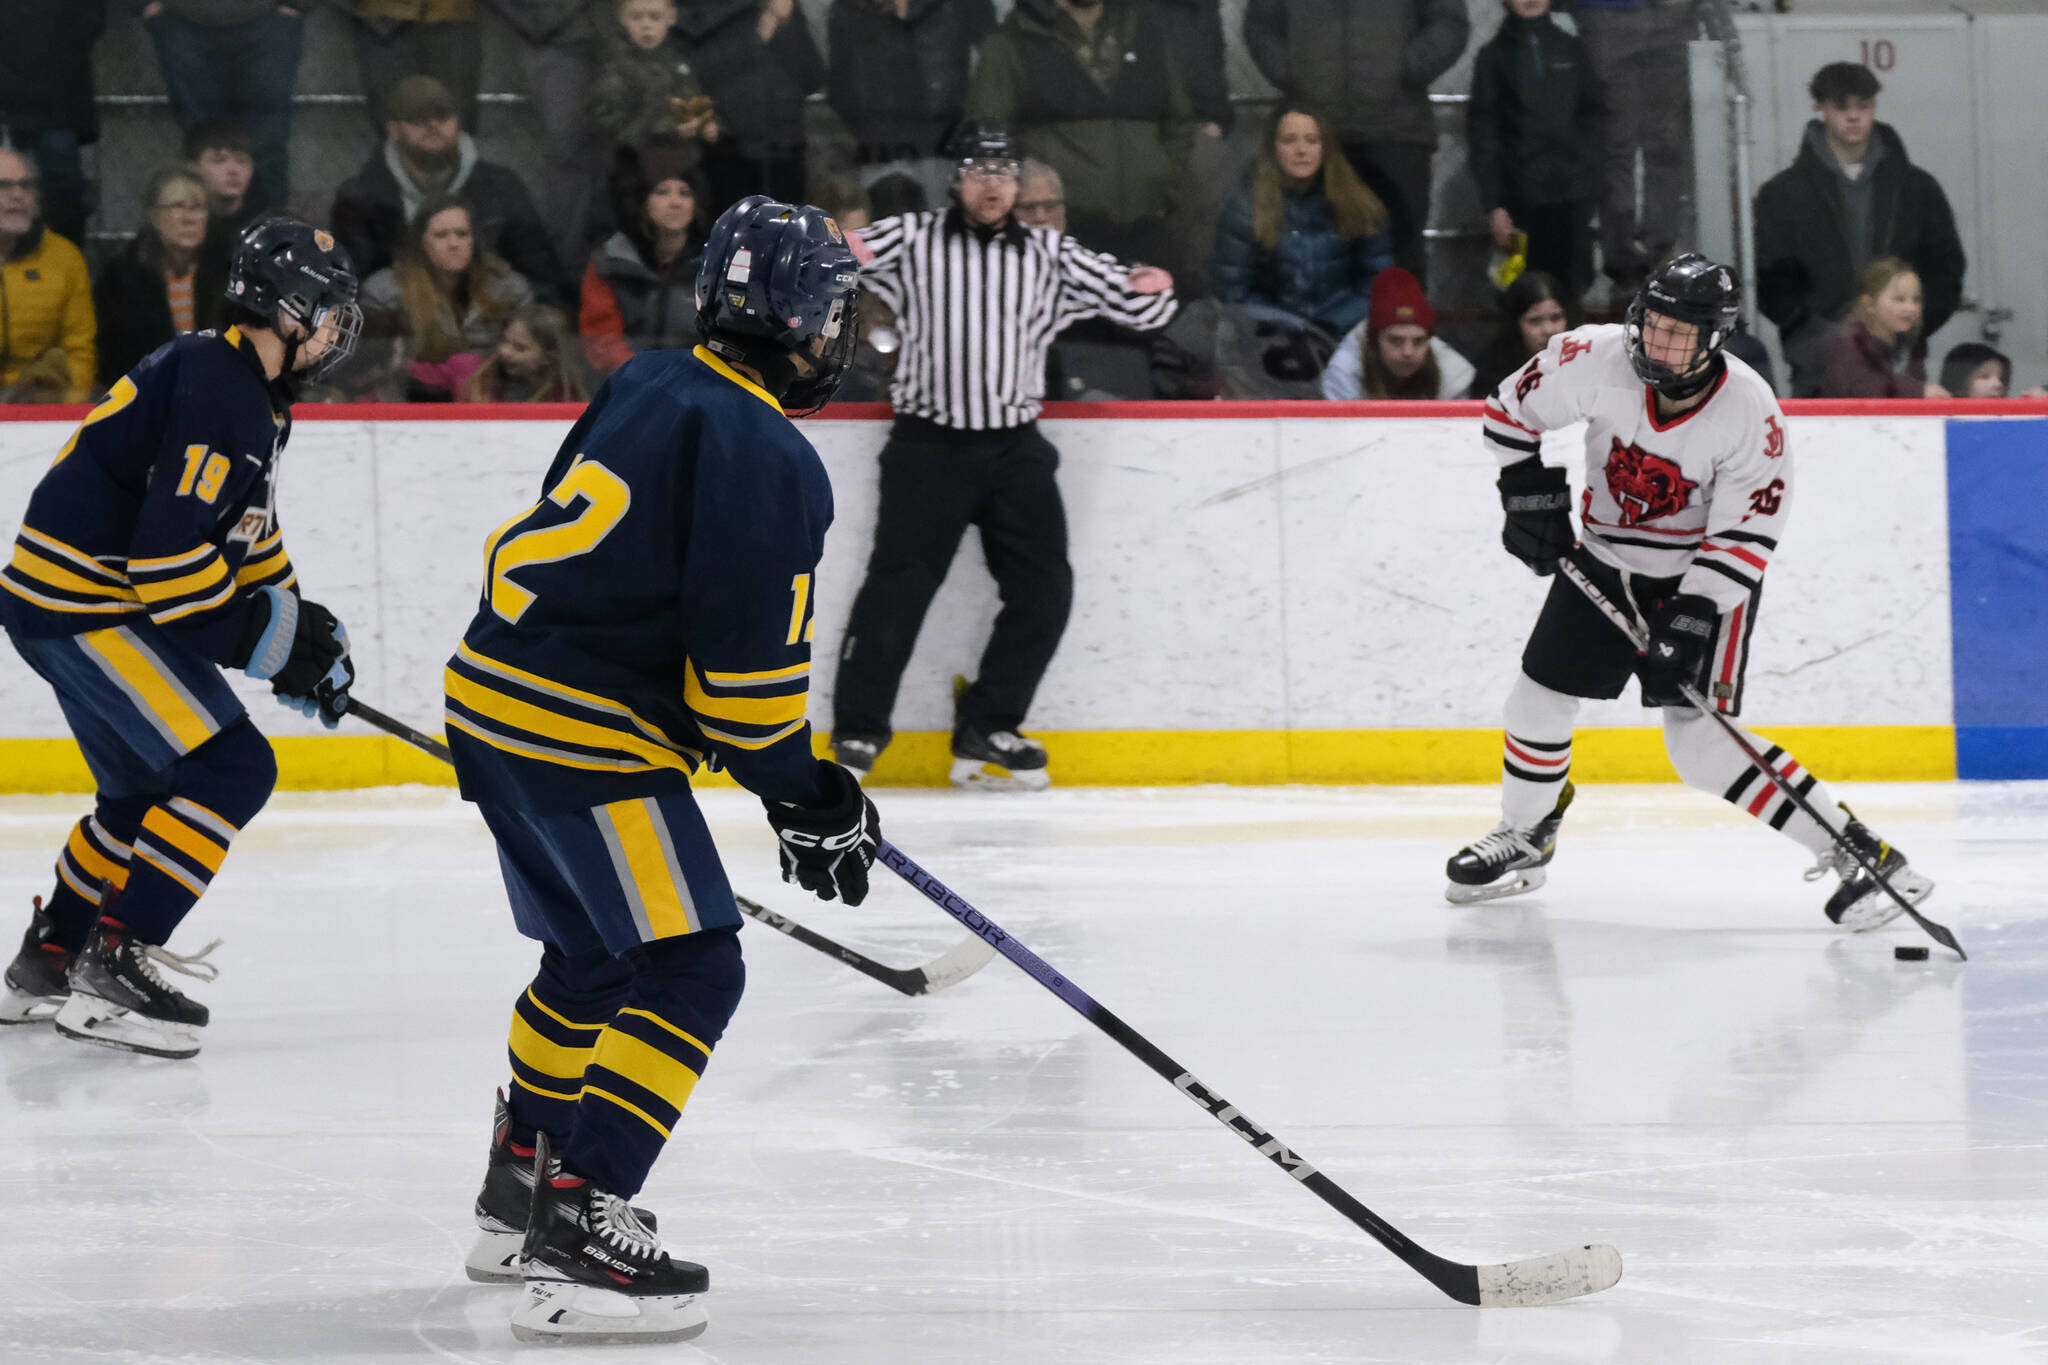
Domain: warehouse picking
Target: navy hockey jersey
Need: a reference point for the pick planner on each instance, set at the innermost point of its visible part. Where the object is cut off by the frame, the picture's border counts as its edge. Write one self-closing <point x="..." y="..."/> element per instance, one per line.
<point x="652" y="610"/>
<point x="162" y="504"/>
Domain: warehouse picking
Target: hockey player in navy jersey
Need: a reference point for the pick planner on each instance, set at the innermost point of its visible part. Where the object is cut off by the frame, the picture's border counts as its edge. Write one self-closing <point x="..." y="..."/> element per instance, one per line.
<point x="651" y="614"/>
<point x="149" y="559"/>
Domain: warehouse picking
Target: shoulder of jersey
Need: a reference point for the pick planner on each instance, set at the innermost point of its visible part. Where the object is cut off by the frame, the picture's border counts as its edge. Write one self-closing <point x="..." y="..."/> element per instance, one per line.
<point x="1747" y="382"/>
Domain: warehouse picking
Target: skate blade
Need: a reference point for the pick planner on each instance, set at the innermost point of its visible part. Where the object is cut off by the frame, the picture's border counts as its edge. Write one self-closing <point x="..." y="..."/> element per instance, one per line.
<point x="975" y="775"/>
<point x="564" y="1311"/>
<point x="91" y="1020"/>
<point x="1513" y="884"/>
<point x="495" y="1258"/>
<point x="17" y="1007"/>
<point x="1876" y="910"/>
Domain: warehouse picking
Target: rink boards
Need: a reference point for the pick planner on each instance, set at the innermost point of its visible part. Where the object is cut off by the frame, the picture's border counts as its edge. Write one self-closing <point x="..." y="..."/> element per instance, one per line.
<point x="1260" y="596"/>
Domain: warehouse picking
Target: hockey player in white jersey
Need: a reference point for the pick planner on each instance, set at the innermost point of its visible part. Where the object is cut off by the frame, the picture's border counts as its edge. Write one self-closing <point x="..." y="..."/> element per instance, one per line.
<point x="1688" y="487"/>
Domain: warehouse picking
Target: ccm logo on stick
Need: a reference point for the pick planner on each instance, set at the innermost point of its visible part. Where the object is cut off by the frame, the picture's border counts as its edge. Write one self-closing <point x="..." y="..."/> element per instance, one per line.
<point x="1241" y="1124"/>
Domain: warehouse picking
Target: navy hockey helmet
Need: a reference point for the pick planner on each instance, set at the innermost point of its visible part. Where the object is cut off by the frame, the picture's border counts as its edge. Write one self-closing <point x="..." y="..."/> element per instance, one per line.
<point x="282" y="266"/>
<point x="776" y="279"/>
<point x="1687" y="288"/>
<point x="984" y="144"/>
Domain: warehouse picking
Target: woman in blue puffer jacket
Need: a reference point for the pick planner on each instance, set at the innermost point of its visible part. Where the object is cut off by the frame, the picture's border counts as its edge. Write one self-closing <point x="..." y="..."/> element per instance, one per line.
<point x="1304" y="234"/>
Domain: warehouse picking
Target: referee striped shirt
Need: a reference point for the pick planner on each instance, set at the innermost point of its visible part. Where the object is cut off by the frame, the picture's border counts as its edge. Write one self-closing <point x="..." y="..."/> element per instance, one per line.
<point x="979" y="308"/>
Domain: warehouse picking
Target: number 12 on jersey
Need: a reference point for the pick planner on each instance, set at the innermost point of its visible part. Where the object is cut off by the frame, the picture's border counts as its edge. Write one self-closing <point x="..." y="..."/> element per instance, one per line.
<point x="605" y="501"/>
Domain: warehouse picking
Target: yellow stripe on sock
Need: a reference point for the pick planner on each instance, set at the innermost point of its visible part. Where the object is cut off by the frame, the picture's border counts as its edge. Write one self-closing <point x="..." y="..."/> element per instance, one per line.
<point x="646" y="1066"/>
<point x="89" y="859"/>
<point x="185" y="839"/>
<point x="628" y="1106"/>
<point x="164" y="865"/>
<point x="689" y="1038"/>
<point x="534" y="1001"/>
<point x="545" y="1094"/>
<point x="545" y="1055"/>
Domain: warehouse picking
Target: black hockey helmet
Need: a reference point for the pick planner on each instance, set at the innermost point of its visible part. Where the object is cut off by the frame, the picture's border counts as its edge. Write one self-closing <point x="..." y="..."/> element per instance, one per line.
<point x="775" y="277"/>
<point x="980" y="144"/>
<point x="1687" y="288"/>
<point x="282" y="266"/>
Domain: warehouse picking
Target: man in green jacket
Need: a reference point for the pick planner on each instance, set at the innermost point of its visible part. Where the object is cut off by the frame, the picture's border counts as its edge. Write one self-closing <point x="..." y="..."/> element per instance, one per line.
<point x="1091" y="88"/>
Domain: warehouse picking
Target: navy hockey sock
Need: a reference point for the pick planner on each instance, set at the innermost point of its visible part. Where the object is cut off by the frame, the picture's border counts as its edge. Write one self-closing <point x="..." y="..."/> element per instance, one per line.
<point x="183" y="838"/>
<point x="648" y="1059"/>
<point x="555" y="1025"/>
<point x="93" y="862"/>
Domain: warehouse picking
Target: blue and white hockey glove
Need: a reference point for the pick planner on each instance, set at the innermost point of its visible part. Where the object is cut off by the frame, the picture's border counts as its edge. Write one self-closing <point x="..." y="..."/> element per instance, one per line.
<point x="302" y="650"/>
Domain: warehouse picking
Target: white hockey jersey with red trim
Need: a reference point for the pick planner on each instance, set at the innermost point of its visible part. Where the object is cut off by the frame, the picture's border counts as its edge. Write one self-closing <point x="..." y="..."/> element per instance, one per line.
<point x="1703" y="498"/>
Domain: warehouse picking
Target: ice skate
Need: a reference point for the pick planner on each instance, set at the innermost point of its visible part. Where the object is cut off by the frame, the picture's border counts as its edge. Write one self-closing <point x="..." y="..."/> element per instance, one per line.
<point x="595" y="1273"/>
<point x="502" y="1205"/>
<point x="1507" y="862"/>
<point x="999" y="761"/>
<point x="1859" y="904"/>
<point x="118" y="1000"/>
<point x="35" y="983"/>
<point x="857" y="753"/>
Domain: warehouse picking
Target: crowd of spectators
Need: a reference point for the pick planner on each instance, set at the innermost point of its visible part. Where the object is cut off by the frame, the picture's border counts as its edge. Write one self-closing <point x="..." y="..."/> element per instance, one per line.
<point x="654" y="114"/>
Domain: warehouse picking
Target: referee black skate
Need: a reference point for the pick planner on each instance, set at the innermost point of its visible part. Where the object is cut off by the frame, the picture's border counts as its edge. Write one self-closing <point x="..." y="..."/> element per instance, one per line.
<point x="979" y="298"/>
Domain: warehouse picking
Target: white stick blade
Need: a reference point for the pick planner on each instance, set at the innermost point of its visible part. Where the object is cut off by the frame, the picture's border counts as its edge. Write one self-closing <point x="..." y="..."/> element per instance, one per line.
<point x="963" y="960"/>
<point x="1549" y="1279"/>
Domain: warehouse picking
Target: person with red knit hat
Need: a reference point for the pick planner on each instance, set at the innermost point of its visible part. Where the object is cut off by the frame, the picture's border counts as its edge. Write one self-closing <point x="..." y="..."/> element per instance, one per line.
<point x="1395" y="352"/>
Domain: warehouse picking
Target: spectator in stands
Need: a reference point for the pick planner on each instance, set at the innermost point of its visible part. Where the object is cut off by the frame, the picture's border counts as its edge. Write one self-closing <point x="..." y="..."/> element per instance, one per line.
<point x="644" y="91"/>
<point x="1090" y="88"/>
<point x="558" y="46"/>
<point x="224" y="155"/>
<point x="758" y="62"/>
<point x="1041" y="197"/>
<point x="1368" y="63"/>
<point x="1533" y="309"/>
<point x="899" y="72"/>
<point x="1851" y="197"/>
<point x="1537" y="128"/>
<point x="533" y="362"/>
<point x="1303" y="234"/>
<point x="1974" y="370"/>
<point x="1638" y="54"/>
<point x="425" y="154"/>
<point x="47" y="330"/>
<point x="396" y="39"/>
<point x="1194" y="36"/>
<point x="440" y="308"/>
<point x="172" y="278"/>
<point x="640" y="290"/>
<point x="843" y="202"/>
<point x="1395" y="352"/>
<point x="1879" y="350"/>
<point x="46" y="99"/>
<point x="233" y="59"/>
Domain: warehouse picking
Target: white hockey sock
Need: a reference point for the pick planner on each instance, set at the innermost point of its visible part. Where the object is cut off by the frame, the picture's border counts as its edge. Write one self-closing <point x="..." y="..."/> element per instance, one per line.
<point x="1536" y="752"/>
<point x="1707" y="759"/>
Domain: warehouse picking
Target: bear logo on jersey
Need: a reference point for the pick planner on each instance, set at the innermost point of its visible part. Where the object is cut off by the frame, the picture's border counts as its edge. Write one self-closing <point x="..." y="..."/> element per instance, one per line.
<point x="1645" y="486"/>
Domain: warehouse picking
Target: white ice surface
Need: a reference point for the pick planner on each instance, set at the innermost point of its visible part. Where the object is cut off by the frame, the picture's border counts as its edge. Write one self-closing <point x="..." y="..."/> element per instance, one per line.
<point x="1805" y="1151"/>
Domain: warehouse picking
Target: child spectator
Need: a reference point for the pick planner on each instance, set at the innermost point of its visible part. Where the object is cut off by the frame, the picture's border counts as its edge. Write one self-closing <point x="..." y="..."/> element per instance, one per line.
<point x="1879" y="350"/>
<point x="1303" y="234"/>
<point x="233" y="59"/>
<point x="47" y="352"/>
<point x="1537" y="129"/>
<point x="1973" y="370"/>
<point x="1395" y="352"/>
<point x="439" y="308"/>
<point x="759" y="63"/>
<point x="225" y="157"/>
<point x="534" y="362"/>
<point x="644" y="91"/>
<point x="640" y="290"/>
<point x="172" y="278"/>
<point x="1533" y="309"/>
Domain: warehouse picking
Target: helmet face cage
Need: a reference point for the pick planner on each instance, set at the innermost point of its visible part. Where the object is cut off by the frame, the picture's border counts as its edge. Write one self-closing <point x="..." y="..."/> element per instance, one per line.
<point x="841" y="332"/>
<point x="284" y="268"/>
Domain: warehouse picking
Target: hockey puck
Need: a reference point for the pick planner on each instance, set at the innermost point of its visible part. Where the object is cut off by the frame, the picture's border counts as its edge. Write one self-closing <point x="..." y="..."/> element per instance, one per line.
<point x="1910" y="952"/>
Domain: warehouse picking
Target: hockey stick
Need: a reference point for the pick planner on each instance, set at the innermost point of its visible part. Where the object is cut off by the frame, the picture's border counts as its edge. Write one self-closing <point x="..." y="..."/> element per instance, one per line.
<point x="1513" y="1284"/>
<point x="951" y="967"/>
<point x="1641" y="640"/>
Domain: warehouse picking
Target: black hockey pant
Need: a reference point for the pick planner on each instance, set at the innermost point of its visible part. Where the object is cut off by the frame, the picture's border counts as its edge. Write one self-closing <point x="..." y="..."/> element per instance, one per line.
<point x="936" y="482"/>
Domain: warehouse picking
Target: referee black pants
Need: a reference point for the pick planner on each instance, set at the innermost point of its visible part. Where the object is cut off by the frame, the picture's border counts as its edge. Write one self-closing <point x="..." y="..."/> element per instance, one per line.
<point x="936" y="482"/>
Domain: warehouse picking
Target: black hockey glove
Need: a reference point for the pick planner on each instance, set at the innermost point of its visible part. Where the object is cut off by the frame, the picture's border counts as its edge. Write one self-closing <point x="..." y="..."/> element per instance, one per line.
<point x="1538" y="503"/>
<point x="302" y="650"/>
<point x="828" y="848"/>
<point x="1682" y="629"/>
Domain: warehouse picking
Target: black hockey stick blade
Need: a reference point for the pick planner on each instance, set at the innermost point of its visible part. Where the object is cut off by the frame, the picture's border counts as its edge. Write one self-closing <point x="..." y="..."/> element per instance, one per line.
<point x="1568" y="1274"/>
<point x="1641" y="640"/>
<point x="963" y="960"/>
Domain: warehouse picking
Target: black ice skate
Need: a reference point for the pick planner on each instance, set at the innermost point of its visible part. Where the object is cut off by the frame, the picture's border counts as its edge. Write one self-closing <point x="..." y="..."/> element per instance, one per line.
<point x="1002" y="760"/>
<point x="1859" y="904"/>
<point x="1508" y="861"/>
<point x="502" y="1205"/>
<point x="596" y="1273"/>
<point x="36" y="988"/>
<point x="118" y="1000"/>
<point x="857" y="753"/>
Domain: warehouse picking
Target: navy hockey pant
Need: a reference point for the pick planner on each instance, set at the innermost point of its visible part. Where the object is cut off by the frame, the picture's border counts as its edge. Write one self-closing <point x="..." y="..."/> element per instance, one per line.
<point x="936" y="482"/>
<point x="179" y="769"/>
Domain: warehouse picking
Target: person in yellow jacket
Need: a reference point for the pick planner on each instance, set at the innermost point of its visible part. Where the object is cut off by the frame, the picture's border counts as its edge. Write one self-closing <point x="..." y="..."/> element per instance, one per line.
<point x="47" y="328"/>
